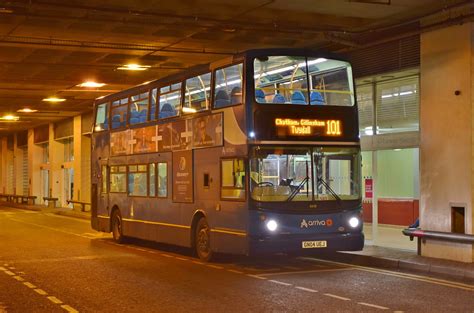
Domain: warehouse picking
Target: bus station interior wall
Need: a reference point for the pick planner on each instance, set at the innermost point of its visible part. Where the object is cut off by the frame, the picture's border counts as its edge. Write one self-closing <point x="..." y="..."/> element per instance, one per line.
<point x="397" y="185"/>
<point x="446" y="144"/>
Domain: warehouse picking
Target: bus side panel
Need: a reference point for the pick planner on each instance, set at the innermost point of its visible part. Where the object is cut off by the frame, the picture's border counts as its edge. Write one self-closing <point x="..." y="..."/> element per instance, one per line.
<point x="99" y="201"/>
<point x="227" y="219"/>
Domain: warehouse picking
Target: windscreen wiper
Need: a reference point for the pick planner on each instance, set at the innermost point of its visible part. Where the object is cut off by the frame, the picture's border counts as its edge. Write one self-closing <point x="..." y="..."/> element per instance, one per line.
<point x="296" y="190"/>
<point x="325" y="184"/>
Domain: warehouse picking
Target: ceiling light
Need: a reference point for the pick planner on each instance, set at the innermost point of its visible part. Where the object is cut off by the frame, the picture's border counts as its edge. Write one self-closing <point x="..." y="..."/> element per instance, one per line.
<point x="27" y="110"/>
<point x="5" y="11"/>
<point x="91" y="84"/>
<point x="54" y="99"/>
<point x="9" y="117"/>
<point x="189" y="110"/>
<point x="134" y="67"/>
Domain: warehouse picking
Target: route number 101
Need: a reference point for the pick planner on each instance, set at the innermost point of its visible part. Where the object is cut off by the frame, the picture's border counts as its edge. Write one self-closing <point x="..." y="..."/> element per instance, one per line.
<point x="333" y="128"/>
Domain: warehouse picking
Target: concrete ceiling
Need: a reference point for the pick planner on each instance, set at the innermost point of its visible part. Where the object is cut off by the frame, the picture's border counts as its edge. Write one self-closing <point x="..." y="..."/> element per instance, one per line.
<point x="49" y="47"/>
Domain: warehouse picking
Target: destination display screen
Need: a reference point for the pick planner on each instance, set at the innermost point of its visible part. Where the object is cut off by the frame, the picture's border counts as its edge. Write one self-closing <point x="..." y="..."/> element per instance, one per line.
<point x="306" y="124"/>
<point x="308" y="127"/>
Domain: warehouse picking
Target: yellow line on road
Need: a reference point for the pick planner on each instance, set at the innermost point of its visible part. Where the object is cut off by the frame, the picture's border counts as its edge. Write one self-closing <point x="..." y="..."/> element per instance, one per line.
<point x="215" y="266"/>
<point x="41" y="292"/>
<point x="19" y="278"/>
<point x="305" y="289"/>
<point x="29" y="285"/>
<point x="235" y="271"/>
<point x="9" y="273"/>
<point x="256" y="276"/>
<point x="69" y="309"/>
<point x="54" y="300"/>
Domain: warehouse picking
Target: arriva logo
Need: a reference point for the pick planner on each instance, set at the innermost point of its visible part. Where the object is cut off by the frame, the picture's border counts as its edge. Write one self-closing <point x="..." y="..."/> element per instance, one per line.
<point x="306" y="224"/>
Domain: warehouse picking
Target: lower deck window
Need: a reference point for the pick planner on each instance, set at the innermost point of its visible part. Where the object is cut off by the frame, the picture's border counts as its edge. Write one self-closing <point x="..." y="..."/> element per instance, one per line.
<point x="118" y="179"/>
<point x="162" y="180"/>
<point x="137" y="180"/>
<point x="233" y="179"/>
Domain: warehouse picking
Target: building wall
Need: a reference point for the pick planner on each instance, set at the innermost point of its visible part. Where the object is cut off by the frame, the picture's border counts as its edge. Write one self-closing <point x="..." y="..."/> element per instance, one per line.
<point x="446" y="142"/>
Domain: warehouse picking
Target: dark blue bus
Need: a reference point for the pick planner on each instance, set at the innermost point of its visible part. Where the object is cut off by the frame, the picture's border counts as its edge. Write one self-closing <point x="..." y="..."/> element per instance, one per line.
<point x="258" y="153"/>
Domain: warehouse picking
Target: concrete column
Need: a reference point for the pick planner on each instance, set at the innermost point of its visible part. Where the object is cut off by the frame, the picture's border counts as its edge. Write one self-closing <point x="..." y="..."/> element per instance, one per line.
<point x="35" y="158"/>
<point x="56" y="159"/>
<point x="447" y="126"/>
<point x="3" y="164"/>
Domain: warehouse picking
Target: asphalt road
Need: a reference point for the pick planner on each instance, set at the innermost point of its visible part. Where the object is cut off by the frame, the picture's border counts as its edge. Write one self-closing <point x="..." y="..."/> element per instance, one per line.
<point x="51" y="263"/>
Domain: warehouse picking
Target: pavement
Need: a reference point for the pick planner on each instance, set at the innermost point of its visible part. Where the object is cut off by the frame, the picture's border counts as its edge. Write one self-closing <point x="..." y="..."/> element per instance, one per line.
<point x="371" y="256"/>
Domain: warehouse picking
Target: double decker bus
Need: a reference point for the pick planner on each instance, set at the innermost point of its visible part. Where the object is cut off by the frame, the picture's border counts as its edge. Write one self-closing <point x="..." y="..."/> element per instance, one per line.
<point x="257" y="153"/>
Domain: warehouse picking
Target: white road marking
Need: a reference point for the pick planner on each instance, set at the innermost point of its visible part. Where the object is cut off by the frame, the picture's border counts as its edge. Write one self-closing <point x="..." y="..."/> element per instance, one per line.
<point x="235" y="271"/>
<point x="255" y="276"/>
<point x="279" y="282"/>
<point x="306" y="272"/>
<point x="69" y="309"/>
<point x="9" y="273"/>
<point x="2" y="268"/>
<point x="182" y="259"/>
<point x="54" y="300"/>
<point x="434" y="281"/>
<point x="167" y="255"/>
<point x="29" y="285"/>
<point x="41" y="292"/>
<point x="199" y="263"/>
<point x="337" y="297"/>
<point x="305" y="289"/>
<point x="19" y="278"/>
<point x="215" y="266"/>
<point x="373" y="305"/>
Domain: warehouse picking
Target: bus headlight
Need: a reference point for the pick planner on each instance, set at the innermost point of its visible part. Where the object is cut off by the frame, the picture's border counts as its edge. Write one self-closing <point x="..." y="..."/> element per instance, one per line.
<point x="354" y="222"/>
<point x="272" y="225"/>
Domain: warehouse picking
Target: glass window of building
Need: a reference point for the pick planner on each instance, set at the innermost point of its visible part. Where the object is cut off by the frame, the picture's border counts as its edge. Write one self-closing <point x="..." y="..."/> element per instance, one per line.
<point x="170" y="101"/>
<point x="397" y="106"/>
<point x="365" y="102"/>
<point x="68" y="149"/>
<point x="197" y="93"/>
<point x="138" y="180"/>
<point x="139" y="108"/>
<point x="162" y="179"/>
<point x="118" y="179"/>
<point x="233" y="179"/>
<point x="228" y="86"/>
<point x="101" y="120"/>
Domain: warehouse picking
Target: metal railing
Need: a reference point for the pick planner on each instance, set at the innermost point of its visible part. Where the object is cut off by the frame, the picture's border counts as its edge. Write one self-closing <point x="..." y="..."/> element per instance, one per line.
<point x="445" y="236"/>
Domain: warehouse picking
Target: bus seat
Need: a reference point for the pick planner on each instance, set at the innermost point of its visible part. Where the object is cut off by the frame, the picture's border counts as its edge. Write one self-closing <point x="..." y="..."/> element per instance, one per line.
<point x="298" y="98"/>
<point x="279" y="98"/>
<point x="166" y="110"/>
<point x="316" y="98"/>
<point x="116" y="121"/>
<point x="260" y="96"/>
<point x="221" y="99"/>
<point x="134" y="117"/>
<point x="142" y="116"/>
<point x="152" y="112"/>
<point x="236" y="95"/>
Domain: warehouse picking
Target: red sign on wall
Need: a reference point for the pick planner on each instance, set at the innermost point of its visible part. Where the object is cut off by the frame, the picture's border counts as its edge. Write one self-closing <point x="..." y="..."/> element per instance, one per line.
<point x="369" y="184"/>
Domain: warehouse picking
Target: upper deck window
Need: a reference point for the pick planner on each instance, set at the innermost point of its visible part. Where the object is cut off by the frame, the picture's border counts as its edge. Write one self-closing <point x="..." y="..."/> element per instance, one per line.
<point x="153" y="102"/>
<point x="119" y="113"/>
<point x="228" y="86"/>
<point x="138" y="108"/>
<point x="284" y="80"/>
<point x="197" y="93"/>
<point x="101" y="120"/>
<point x="170" y="100"/>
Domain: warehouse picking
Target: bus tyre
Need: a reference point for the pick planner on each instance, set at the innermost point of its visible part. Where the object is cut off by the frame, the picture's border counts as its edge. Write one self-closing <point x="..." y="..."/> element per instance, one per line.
<point x="202" y="240"/>
<point x="117" y="231"/>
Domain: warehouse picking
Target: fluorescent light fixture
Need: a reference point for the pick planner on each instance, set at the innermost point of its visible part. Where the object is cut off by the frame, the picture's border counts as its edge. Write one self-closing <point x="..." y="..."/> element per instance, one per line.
<point x="54" y="99"/>
<point x="27" y="110"/>
<point x="133" y="67"/>
<point x="291" y="67"/>
<point x="5" y="11"/>
<point x="9" y="117"/>
<point x="189" y="110"/>
<point x="91" y="84"/>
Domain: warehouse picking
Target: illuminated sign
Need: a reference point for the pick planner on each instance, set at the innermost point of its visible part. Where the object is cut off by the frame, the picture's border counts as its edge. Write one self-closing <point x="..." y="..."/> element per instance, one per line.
<point x="308" y="127"/>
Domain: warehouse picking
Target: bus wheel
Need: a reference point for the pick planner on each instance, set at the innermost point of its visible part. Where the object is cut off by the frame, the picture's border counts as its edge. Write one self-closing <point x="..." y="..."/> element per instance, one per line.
<point x="117" y="231"/>
<point x="202" y="240"/>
